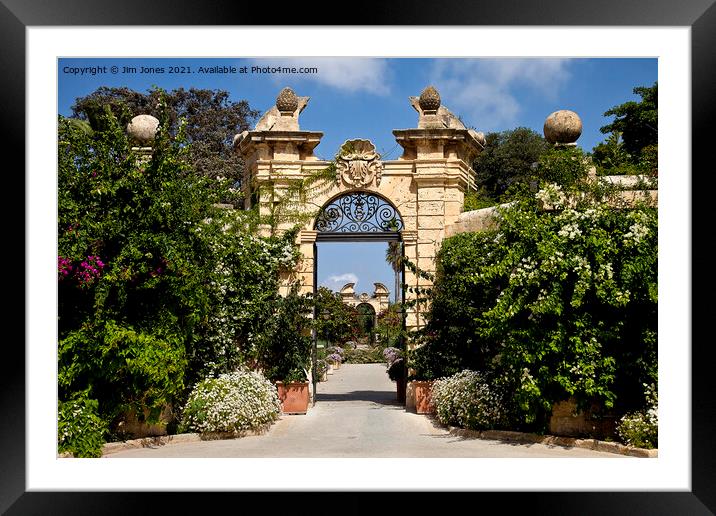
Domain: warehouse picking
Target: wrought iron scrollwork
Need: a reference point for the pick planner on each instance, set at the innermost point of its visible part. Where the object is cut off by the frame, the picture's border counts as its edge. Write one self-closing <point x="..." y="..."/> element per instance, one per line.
<point x="358" y="212"/>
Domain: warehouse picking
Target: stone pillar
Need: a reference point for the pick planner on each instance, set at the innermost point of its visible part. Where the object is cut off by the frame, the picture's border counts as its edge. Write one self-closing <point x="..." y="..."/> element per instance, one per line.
<point x="277" y="154"/>
<point x="410" y="250"/>
<point x="441" y="151"/>
<point x="142" y="130"/>
<point x="307" y="239"/>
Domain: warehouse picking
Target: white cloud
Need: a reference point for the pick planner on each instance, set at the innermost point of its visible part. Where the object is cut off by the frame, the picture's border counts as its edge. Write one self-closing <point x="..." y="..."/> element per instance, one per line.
<point x="481" y="91"/>
<point x="343" y="73"/>
<point x="337" y="281"/>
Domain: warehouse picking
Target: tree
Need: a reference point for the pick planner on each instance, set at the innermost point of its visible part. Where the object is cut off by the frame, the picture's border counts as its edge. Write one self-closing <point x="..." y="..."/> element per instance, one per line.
<point x="389" y="324"/>
<point x="610" y="155"/>
<point x="636" y="122"/>
<point x="212" y="120"/>
<point x="394" y="257"/>
<point x="506" y="163"/>
<point x="366" y="313"/>
<point x="335" y="321"/>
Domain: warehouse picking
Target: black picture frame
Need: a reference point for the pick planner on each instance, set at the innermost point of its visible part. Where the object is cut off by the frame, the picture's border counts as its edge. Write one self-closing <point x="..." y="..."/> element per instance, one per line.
<point x="699" y="15"/>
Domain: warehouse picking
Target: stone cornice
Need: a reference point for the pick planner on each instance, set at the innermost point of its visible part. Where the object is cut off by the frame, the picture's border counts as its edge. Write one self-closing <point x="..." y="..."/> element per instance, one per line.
<point x="446" y="134"/>
<point x="308" y="236"/>
<point x="244" y="142"/>
<point x="409" y="236"/>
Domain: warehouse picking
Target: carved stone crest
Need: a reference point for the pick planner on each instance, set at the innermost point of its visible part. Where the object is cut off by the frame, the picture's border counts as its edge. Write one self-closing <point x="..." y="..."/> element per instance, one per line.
<point x="358" y="164"/>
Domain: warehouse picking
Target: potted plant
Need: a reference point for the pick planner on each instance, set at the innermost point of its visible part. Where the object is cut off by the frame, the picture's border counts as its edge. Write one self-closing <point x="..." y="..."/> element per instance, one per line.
<point x="422" y="362"/>
<point x="335" y="360"/>
<point x="285" y="350"/>
<point x="322" y="370"/>
<point x="396" y="372"/>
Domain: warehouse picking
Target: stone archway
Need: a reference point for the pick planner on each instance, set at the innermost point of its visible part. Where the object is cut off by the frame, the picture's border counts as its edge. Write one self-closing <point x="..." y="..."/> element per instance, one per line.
<point x="367" y="315"/>
<point x="426" y="184"/>
<point x="378" y="300"/>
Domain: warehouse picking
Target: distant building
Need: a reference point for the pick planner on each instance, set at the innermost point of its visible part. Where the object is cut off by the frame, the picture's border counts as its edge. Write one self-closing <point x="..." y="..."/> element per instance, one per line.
<point x="378" y="301"/>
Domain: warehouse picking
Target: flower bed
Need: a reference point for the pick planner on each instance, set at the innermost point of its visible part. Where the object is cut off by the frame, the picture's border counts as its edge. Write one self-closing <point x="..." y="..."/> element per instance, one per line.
<point x="233" y="402"/>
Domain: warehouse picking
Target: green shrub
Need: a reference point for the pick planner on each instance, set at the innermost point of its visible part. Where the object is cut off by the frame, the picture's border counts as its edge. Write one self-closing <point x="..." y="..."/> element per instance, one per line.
<point x="233" y="402"/>
<point x="564" y="166"/>
<point x="477" y="201"/>
<point x="80" y="429"/>
<point x="552" y="304"/>
<point x="467" y="400"/>
<point x="641" y="428"/>
<point x="126" y="368"/>
<point x="285" y="344"/>
<point x="372" y="355"/>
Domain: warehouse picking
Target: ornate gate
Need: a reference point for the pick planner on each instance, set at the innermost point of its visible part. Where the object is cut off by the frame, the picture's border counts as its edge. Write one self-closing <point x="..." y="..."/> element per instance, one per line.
<point x="356" y="216"/>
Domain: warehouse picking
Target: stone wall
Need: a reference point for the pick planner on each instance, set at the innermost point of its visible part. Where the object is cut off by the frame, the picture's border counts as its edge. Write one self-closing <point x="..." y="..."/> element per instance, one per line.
<point x="631" y="192"/>
<point x="566" y="420"/>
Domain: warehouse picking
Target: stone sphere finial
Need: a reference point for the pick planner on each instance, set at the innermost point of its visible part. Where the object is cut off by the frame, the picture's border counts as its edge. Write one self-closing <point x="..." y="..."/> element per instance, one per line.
<point x="143" y="129"/>
<point x="563" y="127"/>
<point x="429" y="99"/>
<point x="287" y="101"/>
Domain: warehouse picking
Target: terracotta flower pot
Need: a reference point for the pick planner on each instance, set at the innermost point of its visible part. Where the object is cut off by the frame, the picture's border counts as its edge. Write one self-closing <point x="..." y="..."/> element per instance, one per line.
<point x="293" y="397"/>
<point x="423" y="400"/>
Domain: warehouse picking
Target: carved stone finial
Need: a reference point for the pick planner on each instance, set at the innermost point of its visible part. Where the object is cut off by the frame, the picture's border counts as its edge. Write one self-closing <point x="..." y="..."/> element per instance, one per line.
<point x="358" y="164"/>
<point x="429" y="100"/>
<point x="563" y="127"/>
<point x="142" y="129"/>
<point x="287" y="102"/>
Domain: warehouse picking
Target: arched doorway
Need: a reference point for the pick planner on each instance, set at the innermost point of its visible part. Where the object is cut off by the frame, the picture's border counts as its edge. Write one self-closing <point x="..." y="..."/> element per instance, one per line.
<point x="360" y="216"/>
<point x="367" y="316"/>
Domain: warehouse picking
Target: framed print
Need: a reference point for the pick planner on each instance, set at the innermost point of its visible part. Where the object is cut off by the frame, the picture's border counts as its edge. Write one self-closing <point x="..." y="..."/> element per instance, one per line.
<point x="679" y="37"/>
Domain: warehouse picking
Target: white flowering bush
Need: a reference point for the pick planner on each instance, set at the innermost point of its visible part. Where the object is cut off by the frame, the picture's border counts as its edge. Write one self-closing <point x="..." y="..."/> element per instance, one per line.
<point x="232" y="402"/>
<point x="551" y="195"/>
<point x="641" y="428"/>
<point x="559" y="301"/>
<point x="467" y="400"/>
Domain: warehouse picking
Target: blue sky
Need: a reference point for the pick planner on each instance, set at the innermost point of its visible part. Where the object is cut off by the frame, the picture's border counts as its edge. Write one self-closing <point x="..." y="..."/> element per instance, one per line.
<point x="367" y="98"/>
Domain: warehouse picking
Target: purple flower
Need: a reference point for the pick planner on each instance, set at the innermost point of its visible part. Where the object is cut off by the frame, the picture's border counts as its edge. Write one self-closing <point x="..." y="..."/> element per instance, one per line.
<point x="64" y="266"/>
<point x="89" y="270"/>
<point x="391" y="355"/>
